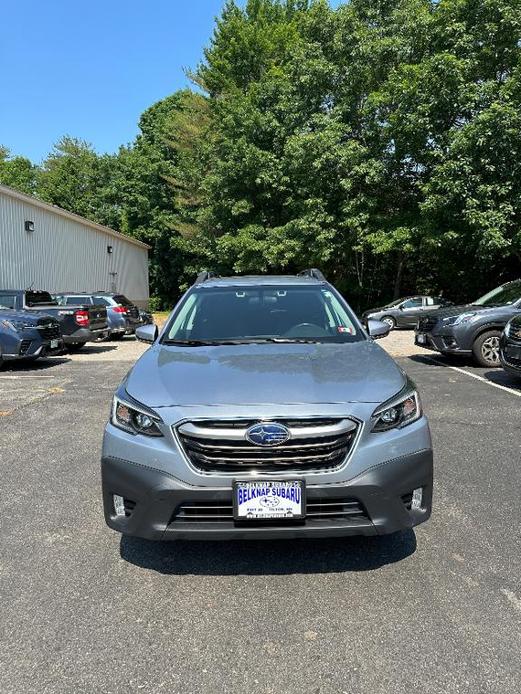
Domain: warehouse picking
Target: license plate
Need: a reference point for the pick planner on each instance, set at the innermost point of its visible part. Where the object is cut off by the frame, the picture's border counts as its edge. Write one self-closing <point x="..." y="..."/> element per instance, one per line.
<point x="269" y="499"/>
<point x="421" y="339"/>
<point x="55" y="344"/>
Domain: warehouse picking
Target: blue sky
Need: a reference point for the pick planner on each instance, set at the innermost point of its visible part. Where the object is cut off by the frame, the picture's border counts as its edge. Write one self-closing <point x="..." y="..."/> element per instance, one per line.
<point x="89" y="68"/>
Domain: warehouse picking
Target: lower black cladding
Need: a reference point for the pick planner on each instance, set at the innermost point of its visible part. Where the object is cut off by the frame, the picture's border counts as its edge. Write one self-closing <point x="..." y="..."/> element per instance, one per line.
<point x="369" y="504"/>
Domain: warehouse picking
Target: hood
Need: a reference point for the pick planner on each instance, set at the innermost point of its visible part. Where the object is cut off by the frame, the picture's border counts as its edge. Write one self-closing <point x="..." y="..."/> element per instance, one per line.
<point x="28" y="317"/>
<point x="264" y="373"/>
<point x="449" y="311"/>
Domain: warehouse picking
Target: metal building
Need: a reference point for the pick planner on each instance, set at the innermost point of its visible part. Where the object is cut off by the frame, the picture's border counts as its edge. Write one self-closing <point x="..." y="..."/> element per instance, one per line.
<point x="45" y="247"/>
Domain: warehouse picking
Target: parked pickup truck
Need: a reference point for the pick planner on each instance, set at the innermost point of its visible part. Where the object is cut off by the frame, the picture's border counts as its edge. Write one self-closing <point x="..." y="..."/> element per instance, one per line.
<point x="27" y="335"/>
<point x="79" y="324"/>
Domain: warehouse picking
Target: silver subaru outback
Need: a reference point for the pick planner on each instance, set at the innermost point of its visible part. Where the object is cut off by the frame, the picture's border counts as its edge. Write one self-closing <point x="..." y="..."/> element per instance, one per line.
<point x="263" y="409"/>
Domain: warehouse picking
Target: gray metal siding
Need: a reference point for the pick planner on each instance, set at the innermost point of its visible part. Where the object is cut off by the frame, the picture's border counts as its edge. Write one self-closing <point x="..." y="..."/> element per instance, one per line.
<point x="65" y="255"/>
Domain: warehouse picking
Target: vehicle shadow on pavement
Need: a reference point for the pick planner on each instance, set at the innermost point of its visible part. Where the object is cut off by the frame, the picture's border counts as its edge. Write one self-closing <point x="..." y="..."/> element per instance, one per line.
<point x="268" y="557"/>
<point x="502" y="378"/>
<point x="40" y="365"/>
<point x="440" y="360"/>
<point x="498" y="376"/>
<point x="97" y="348"/>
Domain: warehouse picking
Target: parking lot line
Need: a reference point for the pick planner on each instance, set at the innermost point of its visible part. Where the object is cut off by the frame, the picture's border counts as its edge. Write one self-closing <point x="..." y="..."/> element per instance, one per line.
<point x="476" y="376"/>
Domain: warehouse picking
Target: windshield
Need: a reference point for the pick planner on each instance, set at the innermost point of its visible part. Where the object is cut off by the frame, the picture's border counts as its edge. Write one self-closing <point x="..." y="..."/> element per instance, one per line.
<point x="265" y="313"/>
<point x="501" y="296"/>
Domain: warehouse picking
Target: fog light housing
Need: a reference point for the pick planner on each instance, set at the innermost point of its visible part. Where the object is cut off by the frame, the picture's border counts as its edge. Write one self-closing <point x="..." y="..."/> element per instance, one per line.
<point x="119" y="505"/>
<point x="417" y="498"/>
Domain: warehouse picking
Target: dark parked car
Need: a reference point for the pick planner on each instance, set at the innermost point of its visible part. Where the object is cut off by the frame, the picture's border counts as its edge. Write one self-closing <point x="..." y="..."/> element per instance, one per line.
<point x="25" y="335"/>
<point x="117" y="318"/>
<point x="120" y="304"/>
<point x="145" y="317"/>
<point x="79" y="324"/>
<point x="404" y="313"/>
<point x="510" y="347"/>
<point x="473" y="329"/>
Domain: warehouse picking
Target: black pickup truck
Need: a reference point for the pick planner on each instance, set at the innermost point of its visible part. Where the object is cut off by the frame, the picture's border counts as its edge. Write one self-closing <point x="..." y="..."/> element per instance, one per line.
<point x="79" y="324"/>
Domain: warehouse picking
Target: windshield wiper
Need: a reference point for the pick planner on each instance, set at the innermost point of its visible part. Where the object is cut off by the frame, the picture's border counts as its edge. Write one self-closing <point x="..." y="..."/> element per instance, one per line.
<point x="189" y="343"/>
<point x="299" y="340"/>
<point x="245" y="341"/>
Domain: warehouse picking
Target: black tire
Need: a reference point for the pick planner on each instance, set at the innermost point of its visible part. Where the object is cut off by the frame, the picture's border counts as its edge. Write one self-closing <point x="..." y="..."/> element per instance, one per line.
<point x="391" y="322"/>
<point x="117" y="336"/>
<point x="486" y="349"/>
<point x="75" y="346"/>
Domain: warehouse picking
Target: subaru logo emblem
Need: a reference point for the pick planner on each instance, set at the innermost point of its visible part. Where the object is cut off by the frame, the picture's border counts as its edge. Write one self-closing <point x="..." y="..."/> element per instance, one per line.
<point x="267" y="434"/>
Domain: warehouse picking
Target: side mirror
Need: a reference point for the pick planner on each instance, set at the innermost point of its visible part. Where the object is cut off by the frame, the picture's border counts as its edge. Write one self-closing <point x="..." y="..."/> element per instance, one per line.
<point x="377" y="329"/>
<point x="400" y="307"/>
<point x="147" y="333"/>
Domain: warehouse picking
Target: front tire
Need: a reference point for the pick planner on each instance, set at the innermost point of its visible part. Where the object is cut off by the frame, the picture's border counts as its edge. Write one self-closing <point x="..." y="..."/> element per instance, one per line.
<point x="391" y="322"/>
<point x="486" y="349"/>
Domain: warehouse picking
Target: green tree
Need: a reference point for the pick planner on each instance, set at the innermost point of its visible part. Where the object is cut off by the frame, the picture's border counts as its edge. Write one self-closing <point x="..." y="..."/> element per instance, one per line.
<point x="18" y="172"/>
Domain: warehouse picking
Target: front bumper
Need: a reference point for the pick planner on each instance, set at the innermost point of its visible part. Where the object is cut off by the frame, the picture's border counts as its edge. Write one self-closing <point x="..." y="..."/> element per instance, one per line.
<point x="85" y="335"/>
<point x="510" y="356"/>
<point x="447" y="341"/>
<point x="30" y="348"/>
<point x="153" y="498"/>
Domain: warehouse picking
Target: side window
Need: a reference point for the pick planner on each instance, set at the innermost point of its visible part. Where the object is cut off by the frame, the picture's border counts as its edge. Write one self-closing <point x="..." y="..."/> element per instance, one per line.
<point x="412" y="303"/>
<point x="429" y="301"/>
<point x="75" y="300"/>
<point x="102" y="301"/>
<point x="8" y="301"/>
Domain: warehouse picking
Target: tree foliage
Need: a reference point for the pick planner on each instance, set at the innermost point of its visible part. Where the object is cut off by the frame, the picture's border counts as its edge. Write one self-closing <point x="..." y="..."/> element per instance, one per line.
<point x="380" y="140"/>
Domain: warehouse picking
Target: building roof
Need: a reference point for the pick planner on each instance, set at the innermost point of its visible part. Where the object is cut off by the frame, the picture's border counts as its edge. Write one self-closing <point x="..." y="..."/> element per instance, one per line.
<point x="31" y="200"/>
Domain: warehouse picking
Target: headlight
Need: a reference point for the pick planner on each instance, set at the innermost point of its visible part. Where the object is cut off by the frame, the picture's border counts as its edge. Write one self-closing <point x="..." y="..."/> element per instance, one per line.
<point x="399" y="412"/>
<point x="462" y="318"/>
<point x="134" y="419"/>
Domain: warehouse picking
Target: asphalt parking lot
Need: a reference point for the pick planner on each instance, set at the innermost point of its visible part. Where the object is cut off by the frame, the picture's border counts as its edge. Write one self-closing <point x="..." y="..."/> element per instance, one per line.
<point x="84" y="610"/>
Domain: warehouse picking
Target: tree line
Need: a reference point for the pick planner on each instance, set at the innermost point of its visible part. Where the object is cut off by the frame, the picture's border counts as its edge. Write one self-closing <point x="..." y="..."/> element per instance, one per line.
<point x="379" y="140"/>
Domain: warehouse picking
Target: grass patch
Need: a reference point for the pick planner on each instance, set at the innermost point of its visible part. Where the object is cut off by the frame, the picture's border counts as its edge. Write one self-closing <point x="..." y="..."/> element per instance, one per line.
<point x="160" y="317"/>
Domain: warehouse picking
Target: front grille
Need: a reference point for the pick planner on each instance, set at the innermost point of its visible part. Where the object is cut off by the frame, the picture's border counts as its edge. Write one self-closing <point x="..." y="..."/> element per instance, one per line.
<point x="325" y="509"/>
<point x="221" y="445"/>
<point x="49" y="331"/>
<point x="426" y="324"/>
<point x="24" y="347"/>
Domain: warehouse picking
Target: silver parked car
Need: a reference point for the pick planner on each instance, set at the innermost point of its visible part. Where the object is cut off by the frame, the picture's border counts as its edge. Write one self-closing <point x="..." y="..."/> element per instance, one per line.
<point x="265" y="410"/>
<point x="405" y="312"/>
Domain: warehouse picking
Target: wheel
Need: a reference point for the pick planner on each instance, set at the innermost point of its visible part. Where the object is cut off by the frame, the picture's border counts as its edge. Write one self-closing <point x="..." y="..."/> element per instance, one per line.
<point x="75" y="346"/>
<point x="486" y="348"/>
<point x="391" y="322"/>
<point x="117" y="336"/>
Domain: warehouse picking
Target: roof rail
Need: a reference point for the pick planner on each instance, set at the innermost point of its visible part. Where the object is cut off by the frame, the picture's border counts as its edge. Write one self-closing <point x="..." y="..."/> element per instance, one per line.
<point x="204" y="276"/>
<point x="313" y="272"/>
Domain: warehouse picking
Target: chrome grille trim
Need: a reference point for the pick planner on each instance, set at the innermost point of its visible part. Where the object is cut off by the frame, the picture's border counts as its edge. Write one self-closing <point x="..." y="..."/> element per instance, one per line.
<point x="315" y="444"/>
<point x="199" y="431"/>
